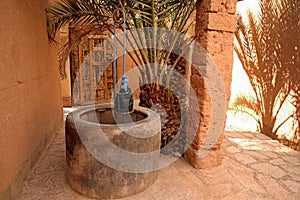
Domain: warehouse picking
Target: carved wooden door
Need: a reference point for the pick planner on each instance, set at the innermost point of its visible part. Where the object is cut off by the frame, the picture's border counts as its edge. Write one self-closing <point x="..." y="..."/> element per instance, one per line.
<point x="92" y="71"/>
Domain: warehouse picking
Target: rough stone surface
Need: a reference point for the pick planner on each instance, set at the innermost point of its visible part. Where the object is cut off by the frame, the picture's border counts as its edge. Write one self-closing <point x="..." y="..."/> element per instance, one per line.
<point x="231" y="180"/>
<point x="269" y="169"/>
<point x="96" y="167"/>
<point x="215" y="25"/>
<point x="244" y="158"/>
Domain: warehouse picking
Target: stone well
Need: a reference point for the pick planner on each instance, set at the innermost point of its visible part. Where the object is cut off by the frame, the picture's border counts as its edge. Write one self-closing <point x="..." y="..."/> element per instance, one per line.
<point x="109" y="160"/>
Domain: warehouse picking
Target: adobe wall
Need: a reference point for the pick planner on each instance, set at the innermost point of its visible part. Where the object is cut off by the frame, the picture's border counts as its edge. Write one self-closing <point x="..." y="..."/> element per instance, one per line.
<point x="215" y="24"/>
<point x="66" y="82"/>
<point x="30" y="95"/>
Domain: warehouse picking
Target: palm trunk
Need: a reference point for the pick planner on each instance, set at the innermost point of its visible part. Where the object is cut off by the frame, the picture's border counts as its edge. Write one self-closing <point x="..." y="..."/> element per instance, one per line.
<point x="268" y="123"/>
<point x="152" y="95"/>
<point x="297" y="113"/>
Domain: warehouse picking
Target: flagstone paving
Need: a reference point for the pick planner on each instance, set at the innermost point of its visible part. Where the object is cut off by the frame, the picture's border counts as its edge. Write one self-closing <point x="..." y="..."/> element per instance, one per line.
<point x="254" y="167"/>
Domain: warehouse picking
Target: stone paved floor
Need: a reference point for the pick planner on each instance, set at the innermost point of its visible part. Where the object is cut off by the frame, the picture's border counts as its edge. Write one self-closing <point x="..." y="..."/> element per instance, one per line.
<point x="254" y="167"/>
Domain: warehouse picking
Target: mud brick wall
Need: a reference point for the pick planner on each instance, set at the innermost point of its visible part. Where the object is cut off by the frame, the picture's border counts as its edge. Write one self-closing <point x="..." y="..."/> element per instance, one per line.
<point x="30" y="97"/>
<point x="215" y="25"/>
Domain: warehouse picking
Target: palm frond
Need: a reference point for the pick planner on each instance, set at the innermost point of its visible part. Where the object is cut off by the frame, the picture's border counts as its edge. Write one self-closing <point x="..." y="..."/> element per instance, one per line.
<point x="261" y="46"/>
<point x="77" y="12"/>
<point x="247" y="104"/>
<point x="97" y="14"/>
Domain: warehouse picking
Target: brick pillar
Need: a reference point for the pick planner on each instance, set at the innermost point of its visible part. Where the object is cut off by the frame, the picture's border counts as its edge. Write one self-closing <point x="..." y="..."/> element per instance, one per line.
<point x="215" y="25"/>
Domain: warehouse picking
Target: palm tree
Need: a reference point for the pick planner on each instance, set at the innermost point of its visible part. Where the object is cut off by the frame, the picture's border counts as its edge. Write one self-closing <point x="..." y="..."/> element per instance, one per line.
<point x="261" y="40"/>
<point x="290" y="43"/>
<point x="95" y="16"/>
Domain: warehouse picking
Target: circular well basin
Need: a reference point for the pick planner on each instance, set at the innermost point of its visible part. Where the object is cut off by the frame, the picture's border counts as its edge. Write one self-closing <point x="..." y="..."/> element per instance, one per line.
<point x="109" y="158"/>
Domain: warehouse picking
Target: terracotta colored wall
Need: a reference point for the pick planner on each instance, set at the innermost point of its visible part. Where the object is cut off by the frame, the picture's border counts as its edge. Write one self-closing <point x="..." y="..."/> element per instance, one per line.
<point x="30" y="97"/>
<point x="66" y="82"/>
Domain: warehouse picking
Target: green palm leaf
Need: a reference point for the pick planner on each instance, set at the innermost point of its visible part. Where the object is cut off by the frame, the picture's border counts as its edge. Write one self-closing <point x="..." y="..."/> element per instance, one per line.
<point x="97" y="14"/>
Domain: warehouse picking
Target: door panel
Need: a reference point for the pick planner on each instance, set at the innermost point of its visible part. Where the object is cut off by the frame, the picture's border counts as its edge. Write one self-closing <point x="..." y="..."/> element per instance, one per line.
<point x="92" y="71"/>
